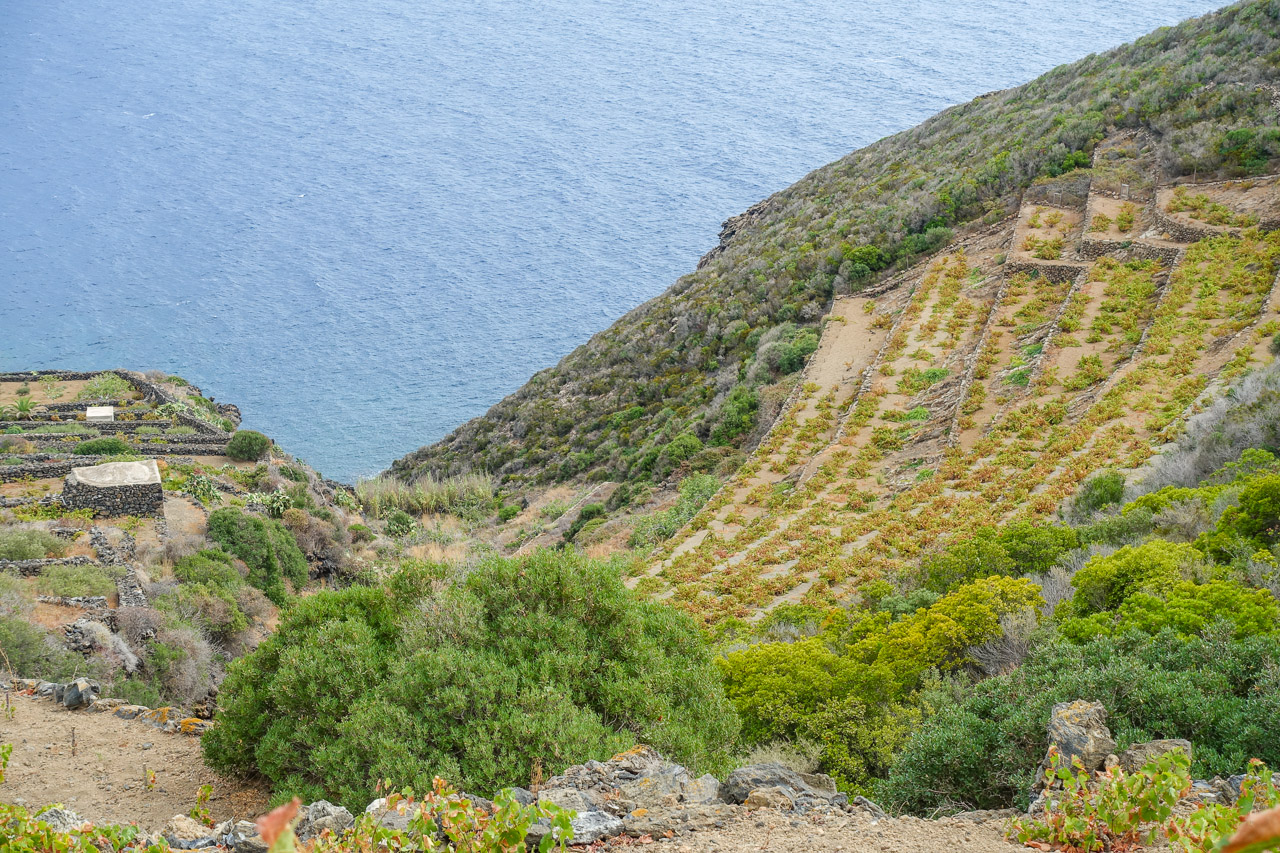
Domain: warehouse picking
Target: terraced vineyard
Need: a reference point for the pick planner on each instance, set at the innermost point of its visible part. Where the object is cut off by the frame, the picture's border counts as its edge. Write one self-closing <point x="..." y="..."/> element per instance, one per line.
<point x="984" y="386"/>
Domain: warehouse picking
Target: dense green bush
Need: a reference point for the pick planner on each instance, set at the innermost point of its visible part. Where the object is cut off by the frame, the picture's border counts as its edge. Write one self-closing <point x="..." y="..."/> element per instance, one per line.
<point x="1019" y="548"/>
<point x="737" y="416"/>
<point x="1101" y="490"/>
<point x="850" y="689"/>
<point x="589" y="513"/>
<point x="32" y="652"/>
<point x="1153" y="567"/>
<point x="1187" y="608"/>
<point x="25" y="544"/>
<point x="981" y="751"/>
<point x="105" y="446"/>
<point x="547" y="659"/>
<point x="267" y="548"/>
<point x="210" y="566"/>
<point x="248" y="445"/>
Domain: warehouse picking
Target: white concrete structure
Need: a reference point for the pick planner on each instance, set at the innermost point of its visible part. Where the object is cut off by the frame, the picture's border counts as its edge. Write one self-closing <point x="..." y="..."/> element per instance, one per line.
<point x="99" y="414"/>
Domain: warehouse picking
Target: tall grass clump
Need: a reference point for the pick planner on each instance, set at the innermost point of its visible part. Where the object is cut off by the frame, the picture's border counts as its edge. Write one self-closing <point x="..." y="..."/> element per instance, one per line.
<point x="468" y="496"/>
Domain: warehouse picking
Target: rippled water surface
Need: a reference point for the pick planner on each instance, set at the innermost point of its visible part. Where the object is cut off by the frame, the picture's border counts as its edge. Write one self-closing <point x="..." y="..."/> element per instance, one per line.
<point x="366" y="221"/>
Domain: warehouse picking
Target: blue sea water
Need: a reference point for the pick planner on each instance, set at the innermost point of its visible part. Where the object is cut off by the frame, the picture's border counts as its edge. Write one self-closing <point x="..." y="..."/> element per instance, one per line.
<point x="366" y="221"/>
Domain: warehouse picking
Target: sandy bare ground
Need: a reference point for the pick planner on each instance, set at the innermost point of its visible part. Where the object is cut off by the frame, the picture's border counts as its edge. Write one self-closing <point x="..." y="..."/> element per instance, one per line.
<point x="771" y="831"/>
<point x="103" y="781"/>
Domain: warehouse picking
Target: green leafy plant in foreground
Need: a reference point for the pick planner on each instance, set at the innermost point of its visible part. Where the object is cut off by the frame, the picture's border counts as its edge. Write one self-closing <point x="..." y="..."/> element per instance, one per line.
<point x="441" y="820"/>
<point x="1113" y="813"/>
<point x="1211" y="826"/>
<point x="1119" y="811"/>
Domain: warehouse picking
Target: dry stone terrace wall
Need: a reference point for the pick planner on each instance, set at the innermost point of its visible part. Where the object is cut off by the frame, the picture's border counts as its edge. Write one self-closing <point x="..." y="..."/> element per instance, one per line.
<point x="115" y="489"/>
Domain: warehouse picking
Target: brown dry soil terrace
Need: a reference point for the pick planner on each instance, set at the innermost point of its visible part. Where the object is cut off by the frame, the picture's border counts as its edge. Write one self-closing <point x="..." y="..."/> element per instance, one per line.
<point x="982" y="386"/>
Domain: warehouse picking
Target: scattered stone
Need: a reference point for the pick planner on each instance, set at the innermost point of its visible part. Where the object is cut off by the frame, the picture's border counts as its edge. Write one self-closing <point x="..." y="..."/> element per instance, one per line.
<point x="62" y="820"/>
<point x="770" y="798"/>
<point x="589" y="827"/>
<point x="186" y="834"/>
<point x="875" y="811"/>
<point x="322" y="815"/>
<point x="1140" y="754"/>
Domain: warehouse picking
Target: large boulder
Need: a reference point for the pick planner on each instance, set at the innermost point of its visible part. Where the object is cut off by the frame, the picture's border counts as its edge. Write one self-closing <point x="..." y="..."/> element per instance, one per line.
<point x="320" y="816"/>
<point x="744" y="780"/>
<point x="588" y="828"/>
<point x="80" y="693"/>
<point x="1079" y="730"/>
<point x="1139" y="755"/>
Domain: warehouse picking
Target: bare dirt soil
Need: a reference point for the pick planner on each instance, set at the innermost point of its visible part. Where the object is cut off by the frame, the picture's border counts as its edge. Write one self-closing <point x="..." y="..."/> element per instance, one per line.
<point x="104" y="781"/>
<point x="781" y="832"/>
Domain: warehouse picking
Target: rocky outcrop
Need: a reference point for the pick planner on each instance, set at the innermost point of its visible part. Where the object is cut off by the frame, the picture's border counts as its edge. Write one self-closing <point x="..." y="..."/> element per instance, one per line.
<point x="1137" y="756"/>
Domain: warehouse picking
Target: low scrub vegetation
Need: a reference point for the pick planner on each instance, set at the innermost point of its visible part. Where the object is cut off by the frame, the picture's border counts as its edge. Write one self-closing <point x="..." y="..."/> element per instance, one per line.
<point x="548" y="660"/>
<point x="469" y="496"/>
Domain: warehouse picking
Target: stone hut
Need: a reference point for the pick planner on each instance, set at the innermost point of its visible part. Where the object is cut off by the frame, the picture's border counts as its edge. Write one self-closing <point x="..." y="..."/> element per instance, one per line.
<point x="116" y="488"/>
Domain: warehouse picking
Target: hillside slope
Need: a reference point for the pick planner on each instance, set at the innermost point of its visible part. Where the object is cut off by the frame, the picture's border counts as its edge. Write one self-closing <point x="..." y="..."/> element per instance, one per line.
<point x="704" y="360"/>
<point x="1001" y="381"/>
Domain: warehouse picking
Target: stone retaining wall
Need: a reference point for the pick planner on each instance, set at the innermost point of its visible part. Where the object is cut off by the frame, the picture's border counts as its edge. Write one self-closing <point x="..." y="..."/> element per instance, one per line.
<point x="31" y="568"/>
<point x="1056" y="273"/>
<point x="1185" y="232"/>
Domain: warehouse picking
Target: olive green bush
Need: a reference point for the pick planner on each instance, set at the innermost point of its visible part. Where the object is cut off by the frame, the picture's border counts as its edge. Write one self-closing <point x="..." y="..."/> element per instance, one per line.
<point x="248" y="445"/>
<point x="981" y="751"/>
<point x="851" y="688"/>
<point x="547" y="660"/>
<point x="267" y="548"/>
<point x="20" y="543"/>
<point x="105" y="446"/>
<point x="73" y="581"/>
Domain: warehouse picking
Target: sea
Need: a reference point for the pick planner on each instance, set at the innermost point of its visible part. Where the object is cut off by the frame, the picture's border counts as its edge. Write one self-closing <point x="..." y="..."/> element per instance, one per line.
<point x="366" y="221"/>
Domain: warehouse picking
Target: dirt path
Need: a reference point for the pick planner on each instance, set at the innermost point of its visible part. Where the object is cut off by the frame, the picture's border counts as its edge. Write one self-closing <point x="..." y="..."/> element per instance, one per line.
<point x="770" y="831"/>
<point x="103" y="781"/>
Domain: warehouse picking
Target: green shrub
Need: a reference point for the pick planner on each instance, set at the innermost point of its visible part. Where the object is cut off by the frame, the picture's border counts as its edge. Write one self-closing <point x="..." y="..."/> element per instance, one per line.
<point x="33" y="652"/>
<point x="851" y="689"/>
<point x="71" y="581"/>
<point x="248" y="445"/>
<point x="1153" y="567"/>
<point x="180" y="429"/>
<point x="589" y="513"/>
<point x="547" y="659"/>
<point x="981" y="751"/>
<point x="105" y="386"/>
<point x="210" y="566"/>
<point x="1100" y="490"/>
<point x="25" y="544"/>
<point x="211" y="608"/>
<point x="147" y="430"/>
<point x="399" y="523"/>
<point x="506" y="512"/>
<point x="695" y="491"/>
<point x="135" y="691"/>
<point x="737" y="416"/>
<point x="266" y="547"/>
<point x="1187" y="608"/>
<point x="105" y="446"/>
